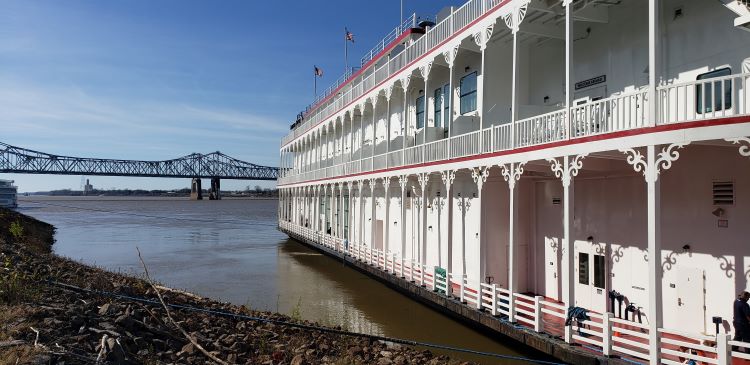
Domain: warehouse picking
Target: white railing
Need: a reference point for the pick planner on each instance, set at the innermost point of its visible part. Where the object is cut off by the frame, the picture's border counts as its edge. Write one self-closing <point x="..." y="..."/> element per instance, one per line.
<point x="616" y="113"/>
<point x="452" y="24"/>
<point x="545" y="128"/>
<point x="465" y="145"/>
<point x="704" y="99"/>
<point x="602" y="332"/>
<point x="677" y="103"/>
<point x="410" y="22"/>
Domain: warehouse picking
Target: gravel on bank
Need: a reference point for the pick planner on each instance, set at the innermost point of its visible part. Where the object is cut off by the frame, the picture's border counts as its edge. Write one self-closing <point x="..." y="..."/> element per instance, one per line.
<point x="44" y="324"/>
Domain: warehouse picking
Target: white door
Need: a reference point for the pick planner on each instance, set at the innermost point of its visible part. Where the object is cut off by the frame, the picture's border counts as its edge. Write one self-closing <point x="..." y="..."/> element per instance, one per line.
<point x="551" y="267"/>
<point x="691" y="298"/>
<point x="590" y="274"/>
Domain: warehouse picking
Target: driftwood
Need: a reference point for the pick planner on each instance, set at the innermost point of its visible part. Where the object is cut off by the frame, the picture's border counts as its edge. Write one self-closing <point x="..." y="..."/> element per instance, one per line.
<point x="169" y="316"/>
<point x="11" y="343"/>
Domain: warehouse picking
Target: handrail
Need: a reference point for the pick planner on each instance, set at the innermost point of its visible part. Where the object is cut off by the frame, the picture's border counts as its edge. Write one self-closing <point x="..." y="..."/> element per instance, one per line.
<point x="459" y="19"/>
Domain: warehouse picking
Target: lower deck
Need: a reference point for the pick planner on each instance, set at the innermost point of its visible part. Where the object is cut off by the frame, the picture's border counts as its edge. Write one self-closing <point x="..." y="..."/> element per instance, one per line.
<point x="567" y="226"/>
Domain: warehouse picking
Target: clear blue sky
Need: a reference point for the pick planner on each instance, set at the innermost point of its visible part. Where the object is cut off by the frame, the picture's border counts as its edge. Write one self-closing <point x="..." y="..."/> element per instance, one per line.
<point x="160" y="79"/>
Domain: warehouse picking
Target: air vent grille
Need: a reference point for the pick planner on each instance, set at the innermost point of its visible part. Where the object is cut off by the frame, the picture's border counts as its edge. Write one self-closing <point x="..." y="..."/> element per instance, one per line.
<point x="723" y="193"/>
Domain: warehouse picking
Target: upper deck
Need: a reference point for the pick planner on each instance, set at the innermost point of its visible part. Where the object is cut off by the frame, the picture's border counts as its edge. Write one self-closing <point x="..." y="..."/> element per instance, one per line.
<point x="394" y="117"/>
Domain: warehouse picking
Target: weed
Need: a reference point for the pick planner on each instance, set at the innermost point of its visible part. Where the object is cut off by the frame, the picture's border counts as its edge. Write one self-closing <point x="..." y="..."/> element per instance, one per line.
<point x="296" y="313"/>
<point x="16" y="229"/>
<point x="13" y="284"/>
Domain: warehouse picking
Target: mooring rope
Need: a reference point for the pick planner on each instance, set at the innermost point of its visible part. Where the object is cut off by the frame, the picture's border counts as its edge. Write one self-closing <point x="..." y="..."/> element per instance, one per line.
<point x="299" y="325"/>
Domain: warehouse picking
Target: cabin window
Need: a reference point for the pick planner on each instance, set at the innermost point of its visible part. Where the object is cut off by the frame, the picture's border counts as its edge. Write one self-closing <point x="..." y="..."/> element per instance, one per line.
<point x="717" y="95"/>
<point x="469" y="93"/>
<point x="599" y="271"/>
<point x="420" y="112"/>
<point x="583" y="268"/>
<point x="346" y="215"/>
<point x="438" y="106"/>
<point x="446" y="104"/>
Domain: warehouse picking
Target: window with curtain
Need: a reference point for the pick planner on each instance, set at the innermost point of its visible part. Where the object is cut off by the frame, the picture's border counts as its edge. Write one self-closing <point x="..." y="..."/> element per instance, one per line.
<point x="446" y="104"/>
<point x="438" y="106"/>
<point x="468" y="87"/>
<point x="420" y="112"/>
<point x="715" y="92"/>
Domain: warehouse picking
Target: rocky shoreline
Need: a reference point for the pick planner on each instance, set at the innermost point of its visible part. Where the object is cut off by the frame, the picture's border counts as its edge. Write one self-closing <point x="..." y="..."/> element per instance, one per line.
<point x="41" y="323"/>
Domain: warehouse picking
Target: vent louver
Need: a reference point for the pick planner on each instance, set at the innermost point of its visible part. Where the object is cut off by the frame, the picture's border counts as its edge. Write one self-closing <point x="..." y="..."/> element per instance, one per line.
<point x="723" y="193"/>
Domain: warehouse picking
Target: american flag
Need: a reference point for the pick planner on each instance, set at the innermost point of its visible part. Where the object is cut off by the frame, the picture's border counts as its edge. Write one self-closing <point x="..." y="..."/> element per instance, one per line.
<point x="318" y="71"/>
<point x="349" y="35"/>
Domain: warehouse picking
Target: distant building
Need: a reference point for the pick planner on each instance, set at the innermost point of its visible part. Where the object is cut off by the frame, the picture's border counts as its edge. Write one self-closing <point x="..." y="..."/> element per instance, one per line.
<point x="88" y="188"/>
<point x="8" y="193"/>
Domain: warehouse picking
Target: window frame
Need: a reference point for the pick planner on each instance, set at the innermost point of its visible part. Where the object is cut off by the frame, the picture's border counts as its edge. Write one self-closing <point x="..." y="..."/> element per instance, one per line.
<point x="420" y="115"/>
<point x="714" y="97"/>
<point x="466" y="94"/>
<point x="437" y="104"/>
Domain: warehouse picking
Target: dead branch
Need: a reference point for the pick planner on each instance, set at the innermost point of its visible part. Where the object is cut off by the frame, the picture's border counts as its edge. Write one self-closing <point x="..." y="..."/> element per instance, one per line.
<point x="169" y="315"/>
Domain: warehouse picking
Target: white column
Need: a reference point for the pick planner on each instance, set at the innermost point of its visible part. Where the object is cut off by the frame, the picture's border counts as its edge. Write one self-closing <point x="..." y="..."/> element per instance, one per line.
<point x="514" y="97"/>
<point x="403" y="181"/>
<point x="361" y="185"/>
<point x="341" y="211"/>
<point x="653" y="57"/>
<point x="373" y="183"/>
<point x="386" y="224"/>
<point x="480" y="177"/>
<point x="568" y="284"/>
<point x="512" y="245"/>
<point x="568" y="67"/>
<point x="448" y="177"/>
<point x="653" y="208"/>
<point x="423" y="181"/>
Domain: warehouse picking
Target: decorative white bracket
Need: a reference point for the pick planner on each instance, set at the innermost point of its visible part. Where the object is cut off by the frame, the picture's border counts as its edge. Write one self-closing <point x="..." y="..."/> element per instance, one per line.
<point x="482" y="37"/>
<point x="448" y="177"/>
<point x="567" y="173"/>
<point x="423" y="179"/>
<point x="450" y="54"/>
<point x="405" y="82"/>
<point x="403" y="180"/>
<point x="663" y="160"/>
<point x="424" y="70"/>
<point x="515" y="15"/>
<point x="479" y="175"/>
<point x="744" y="143"/>
<point x="512" y="173"/>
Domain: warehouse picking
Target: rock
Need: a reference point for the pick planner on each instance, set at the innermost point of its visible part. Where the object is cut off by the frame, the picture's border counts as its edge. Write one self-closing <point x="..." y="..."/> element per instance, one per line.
<point x="399" y="360"/>
<point x="298" y="360"/>
<point x="387" y="354"/>
<point x="353" y="351"/>
<point x="104" y="309"/>
<point x="385" y="361"/>
<point x="188" y="349"/>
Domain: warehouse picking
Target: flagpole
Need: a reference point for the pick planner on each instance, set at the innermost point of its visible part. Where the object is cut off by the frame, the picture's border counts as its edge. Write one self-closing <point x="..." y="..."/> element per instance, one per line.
<point x="346" y="52"/>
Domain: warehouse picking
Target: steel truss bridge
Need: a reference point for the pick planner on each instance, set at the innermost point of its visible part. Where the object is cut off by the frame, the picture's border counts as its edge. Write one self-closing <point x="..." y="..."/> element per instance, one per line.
<point x="215" y="165"/>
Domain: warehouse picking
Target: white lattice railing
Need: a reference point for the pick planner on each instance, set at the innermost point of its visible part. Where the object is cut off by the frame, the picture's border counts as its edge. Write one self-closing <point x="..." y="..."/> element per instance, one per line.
<point x="603" y="332"/>
<point x="678" y="103"/>
<point x="704" y="99"/>
<point x="322" y="109"/>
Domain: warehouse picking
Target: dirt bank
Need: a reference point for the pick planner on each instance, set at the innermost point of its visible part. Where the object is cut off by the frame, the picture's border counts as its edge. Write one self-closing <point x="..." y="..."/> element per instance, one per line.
<point x="41" y="323"/>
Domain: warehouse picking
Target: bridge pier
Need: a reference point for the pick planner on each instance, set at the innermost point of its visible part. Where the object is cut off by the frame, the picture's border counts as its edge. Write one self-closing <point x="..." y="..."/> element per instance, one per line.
<point x="196" y="192"/>
<point x="215" y="193"/>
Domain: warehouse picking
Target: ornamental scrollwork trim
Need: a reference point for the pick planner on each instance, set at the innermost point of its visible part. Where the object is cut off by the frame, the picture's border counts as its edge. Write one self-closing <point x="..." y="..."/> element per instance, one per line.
<point x="512" y="173"/>
<point x="424" y="70"/>
<point x="448" y="177"/>
<point x="515" y="15"/>
<point x="403" y="181"/>
<point x="744" y="143"/>
<point x="423" y="180"/>
<point x="663" y="160"/>
<point x="480" y="175"/>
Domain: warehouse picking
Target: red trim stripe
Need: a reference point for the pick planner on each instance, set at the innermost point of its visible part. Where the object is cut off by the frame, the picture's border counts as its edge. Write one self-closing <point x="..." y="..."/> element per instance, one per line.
<point x="599" y="137"/>
<point x="455" y="34"/>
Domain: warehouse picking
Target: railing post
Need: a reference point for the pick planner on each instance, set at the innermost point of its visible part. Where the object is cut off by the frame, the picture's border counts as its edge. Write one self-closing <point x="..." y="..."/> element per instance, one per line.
<point x="402" y="267"/>
<point x="607" y="334"/>
<point x="512" y="307"/>
<point x="421" y="275"/>
<point x="494" y="300"/>
<point x="723" y="350"/>
<point x="461" y="290"/>
<point x="538" y="323"/>
<point x="479" y="295"/>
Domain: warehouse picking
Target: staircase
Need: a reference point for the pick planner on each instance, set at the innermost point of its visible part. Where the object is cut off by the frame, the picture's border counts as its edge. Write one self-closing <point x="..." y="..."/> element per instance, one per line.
<point x="742" y="9"/>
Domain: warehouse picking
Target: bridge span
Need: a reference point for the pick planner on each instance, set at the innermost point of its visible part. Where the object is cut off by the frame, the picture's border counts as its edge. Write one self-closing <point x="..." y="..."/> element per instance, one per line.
<point x="214" y="166"/>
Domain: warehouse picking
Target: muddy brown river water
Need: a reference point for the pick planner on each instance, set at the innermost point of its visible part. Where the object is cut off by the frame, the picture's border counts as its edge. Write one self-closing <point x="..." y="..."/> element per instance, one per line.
<point x="231" y="250"/>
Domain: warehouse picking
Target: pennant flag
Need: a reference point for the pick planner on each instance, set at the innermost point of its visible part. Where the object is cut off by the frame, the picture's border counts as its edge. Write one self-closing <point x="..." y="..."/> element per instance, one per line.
<point x="349" y="35"/>
<point x="318" y="71"/>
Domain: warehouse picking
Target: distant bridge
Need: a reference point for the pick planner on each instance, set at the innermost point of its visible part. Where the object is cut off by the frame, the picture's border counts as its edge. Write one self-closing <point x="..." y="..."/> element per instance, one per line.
<point x="215" y="166"/>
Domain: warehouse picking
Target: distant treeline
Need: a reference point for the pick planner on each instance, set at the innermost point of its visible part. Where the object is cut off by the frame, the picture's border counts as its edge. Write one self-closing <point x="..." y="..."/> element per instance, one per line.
<point x="257" y="192"/>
